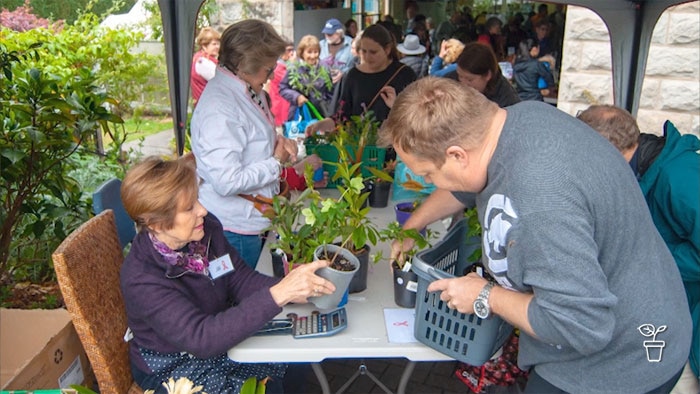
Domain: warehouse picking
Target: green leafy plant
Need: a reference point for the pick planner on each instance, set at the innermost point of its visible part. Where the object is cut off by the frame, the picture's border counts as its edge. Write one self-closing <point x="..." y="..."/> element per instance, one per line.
<point x="46" y="120"/>
<point x="303" y="78"/>
<point x="354" y="228"/>
<point x="473" y="230"/>
<point x="69" y="10"/>
<point x="154" y="23"/>
<point x="394" y="232"/>
<point x="304" y="223"/>
<point x="109" y="53"/>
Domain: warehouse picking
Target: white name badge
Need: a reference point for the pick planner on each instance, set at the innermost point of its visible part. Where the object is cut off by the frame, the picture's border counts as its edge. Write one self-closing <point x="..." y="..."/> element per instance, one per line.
<point x="220" y="266"/>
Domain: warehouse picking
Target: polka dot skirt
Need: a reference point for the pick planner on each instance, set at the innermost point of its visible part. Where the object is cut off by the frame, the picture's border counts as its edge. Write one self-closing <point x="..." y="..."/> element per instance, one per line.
<point x="216" y="374"/>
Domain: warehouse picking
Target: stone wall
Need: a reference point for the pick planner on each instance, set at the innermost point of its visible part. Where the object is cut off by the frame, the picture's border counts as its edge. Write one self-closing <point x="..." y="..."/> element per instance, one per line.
<point x="279" y="13"/>
<point x="671" y="87"/>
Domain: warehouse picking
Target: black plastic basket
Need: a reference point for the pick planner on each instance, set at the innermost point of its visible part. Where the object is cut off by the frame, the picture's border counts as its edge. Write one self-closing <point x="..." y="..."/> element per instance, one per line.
<point x="465" y="337"/>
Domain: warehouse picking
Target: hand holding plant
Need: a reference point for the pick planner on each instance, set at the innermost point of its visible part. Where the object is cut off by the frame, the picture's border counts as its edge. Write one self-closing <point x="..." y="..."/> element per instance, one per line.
<point x="405" y="243"/>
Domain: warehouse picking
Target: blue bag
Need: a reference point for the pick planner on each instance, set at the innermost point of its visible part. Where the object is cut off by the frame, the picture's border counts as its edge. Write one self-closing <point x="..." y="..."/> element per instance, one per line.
<point x="409" y="186"/>
<point x="295" y="129"/>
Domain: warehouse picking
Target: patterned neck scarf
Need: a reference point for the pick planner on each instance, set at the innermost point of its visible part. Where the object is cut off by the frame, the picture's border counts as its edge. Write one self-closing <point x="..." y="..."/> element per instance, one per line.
<point x="195" y="259"/>
<point x="257" y="99"/>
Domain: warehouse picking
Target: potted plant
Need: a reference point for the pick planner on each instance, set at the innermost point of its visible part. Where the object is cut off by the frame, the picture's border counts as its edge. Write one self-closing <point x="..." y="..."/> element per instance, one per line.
<point x="354" y="227"/>
<point x="405" y="280"/>
<point x="342" y="220"/>
<point x="300" y="224"/>
<point x="309" y="222"/>
<point x="380" y="185"/>
<point x="404" y="210"/>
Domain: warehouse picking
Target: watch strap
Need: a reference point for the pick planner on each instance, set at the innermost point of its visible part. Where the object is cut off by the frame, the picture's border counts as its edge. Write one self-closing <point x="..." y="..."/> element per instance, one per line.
<point x="486" y="291"/>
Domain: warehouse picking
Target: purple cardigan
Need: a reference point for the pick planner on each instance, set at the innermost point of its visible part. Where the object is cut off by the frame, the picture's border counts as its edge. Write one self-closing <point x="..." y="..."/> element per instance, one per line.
<point x="173" y="310"/>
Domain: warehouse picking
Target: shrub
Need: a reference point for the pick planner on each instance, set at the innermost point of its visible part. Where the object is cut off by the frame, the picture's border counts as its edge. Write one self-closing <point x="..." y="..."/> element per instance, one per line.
<point x="109" y="53"/>
<point x="69" y="10"/>
<point x="45" y="120"/>
<point x="22" y="18"/>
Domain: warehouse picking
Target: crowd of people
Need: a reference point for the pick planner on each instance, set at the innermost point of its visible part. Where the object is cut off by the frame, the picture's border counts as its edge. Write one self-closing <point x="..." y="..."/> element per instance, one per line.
<point x="585" y="255"/>
<point x="531" y="44"/>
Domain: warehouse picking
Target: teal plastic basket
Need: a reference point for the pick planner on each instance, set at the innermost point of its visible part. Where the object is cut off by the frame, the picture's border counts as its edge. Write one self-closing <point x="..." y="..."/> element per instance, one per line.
<point x="465" y="337"/>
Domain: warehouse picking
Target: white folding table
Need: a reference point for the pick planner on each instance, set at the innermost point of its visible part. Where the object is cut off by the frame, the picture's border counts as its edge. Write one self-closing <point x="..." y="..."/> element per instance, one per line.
<point x="365" y="336"/>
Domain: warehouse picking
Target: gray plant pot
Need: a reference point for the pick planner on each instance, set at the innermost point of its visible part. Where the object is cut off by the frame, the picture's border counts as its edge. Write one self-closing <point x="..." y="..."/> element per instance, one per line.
<point x="341" y="279"/>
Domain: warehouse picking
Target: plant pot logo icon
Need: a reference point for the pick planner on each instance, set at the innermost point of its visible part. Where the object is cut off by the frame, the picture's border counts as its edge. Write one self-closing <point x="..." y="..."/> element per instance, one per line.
<point x="653" y="348"/>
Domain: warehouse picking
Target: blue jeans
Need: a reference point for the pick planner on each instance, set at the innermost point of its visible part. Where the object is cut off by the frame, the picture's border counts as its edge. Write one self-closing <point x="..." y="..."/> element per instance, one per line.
<point x="248" y="246"/>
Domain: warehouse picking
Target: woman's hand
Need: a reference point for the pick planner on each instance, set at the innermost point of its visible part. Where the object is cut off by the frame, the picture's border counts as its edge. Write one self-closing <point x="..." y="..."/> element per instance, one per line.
<point x="301" y="99"/>
<point x="302" y="283"/>
<point x="388" y="94"/>
<point x="285" y="149"/>
<point x="444" y="46"/>
<point x="312" y="160"/>
<point x="336" y="76"/>
<point x="324" y="125"/>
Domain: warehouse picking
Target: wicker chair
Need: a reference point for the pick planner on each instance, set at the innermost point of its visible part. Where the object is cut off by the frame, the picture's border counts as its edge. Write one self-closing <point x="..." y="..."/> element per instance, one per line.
<point x="87" y="265"/>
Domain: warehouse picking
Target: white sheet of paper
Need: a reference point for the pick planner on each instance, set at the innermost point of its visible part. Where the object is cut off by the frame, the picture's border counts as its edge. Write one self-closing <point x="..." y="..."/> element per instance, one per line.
<point x="399" y="324"/>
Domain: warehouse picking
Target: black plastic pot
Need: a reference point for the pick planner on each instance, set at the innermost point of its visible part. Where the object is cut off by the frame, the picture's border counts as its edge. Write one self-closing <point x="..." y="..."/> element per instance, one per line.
<point x="405" y="287"/>
<point x="379" y="195"/>
<point x="277" y="264"/>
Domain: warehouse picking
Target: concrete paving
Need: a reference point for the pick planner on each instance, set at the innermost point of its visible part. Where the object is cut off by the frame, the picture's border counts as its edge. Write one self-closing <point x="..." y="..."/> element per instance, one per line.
<point x="159" y="144"/>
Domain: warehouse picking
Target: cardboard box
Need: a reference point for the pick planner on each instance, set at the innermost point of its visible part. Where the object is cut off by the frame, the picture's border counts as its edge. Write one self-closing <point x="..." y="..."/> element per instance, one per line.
<point x="39" y="349"/>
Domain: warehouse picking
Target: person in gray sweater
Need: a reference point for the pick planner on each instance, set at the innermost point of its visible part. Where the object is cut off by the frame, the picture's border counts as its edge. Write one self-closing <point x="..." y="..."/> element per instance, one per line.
<point x="577" y="262"/>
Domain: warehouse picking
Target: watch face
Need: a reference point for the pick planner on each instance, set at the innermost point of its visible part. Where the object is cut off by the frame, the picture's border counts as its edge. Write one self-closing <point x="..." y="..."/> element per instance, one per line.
<point x="481" y="309"/>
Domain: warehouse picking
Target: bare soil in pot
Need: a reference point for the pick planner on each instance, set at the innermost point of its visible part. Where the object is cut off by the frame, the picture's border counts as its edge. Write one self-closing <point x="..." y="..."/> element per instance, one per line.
<point x="338" y="262"/>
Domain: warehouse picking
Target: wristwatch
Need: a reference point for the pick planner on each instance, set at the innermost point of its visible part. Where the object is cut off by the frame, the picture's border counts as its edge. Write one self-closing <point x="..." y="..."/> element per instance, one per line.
<point x="481" y="303"/>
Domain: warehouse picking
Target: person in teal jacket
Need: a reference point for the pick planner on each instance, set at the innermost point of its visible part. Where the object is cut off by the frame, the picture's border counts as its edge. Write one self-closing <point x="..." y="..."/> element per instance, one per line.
<point x="668" y="170"/>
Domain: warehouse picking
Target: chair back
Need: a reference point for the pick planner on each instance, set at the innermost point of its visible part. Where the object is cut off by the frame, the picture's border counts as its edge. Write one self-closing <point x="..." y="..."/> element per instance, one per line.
<point x="87" y="265"/>
<point x="108" y="196"/>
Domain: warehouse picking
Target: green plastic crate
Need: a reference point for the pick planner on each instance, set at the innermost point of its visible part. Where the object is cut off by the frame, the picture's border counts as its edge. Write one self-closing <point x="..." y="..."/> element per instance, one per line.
<point x="328" y="154"/>
<point x="372" y="156"/>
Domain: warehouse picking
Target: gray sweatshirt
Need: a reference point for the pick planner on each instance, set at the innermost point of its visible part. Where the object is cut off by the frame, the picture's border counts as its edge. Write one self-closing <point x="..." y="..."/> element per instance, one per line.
<point x="564" y="218"/>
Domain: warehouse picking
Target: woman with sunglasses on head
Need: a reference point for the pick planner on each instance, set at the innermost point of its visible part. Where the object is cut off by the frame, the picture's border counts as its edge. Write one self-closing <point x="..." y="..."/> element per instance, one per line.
<point x="239" y="154"/>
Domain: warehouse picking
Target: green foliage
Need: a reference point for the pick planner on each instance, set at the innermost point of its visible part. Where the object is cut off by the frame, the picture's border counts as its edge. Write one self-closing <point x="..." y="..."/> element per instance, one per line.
<point x="296" y="238"/>
<point x="310" y="220"/>
<point x="108" y="53"/>
<point x="69" y="10"/>
<point x="394" y="232"/>
<point x="254" y="386"/>
<point x="303" y="78"/>
<point x="473" y="230"/>
<point x="355" y="229"/>
<point x="207" y="13"/>
<point x="46" y="118"/>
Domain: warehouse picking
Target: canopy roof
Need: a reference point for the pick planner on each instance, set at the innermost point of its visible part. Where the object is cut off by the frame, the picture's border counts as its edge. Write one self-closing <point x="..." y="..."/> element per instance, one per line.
<point x="630" y="23"/>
